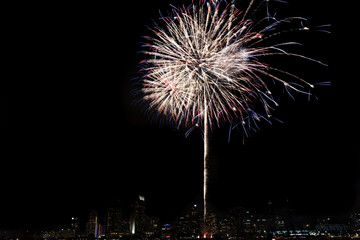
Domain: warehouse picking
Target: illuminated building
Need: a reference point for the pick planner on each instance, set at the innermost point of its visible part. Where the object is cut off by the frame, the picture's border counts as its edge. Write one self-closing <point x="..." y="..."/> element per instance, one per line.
<point x="92" y="224"/>
<point x="138" y="217"/>
<point x="262" y="225"/>
<point x="190" y="225"/>
<point x="75" y="226"/>
<point x="182" y="227"/>
<point x="114" y="221"/>
<point x="64" y="234"/>
<point x="249" y="223"/>
<point x="211" y="225"/>
<point x="224" y="228"/>
<point x="166" y="231"/>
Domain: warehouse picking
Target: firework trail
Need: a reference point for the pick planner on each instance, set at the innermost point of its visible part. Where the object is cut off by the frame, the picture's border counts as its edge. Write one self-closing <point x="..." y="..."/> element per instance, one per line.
<point x="209" y="64"/>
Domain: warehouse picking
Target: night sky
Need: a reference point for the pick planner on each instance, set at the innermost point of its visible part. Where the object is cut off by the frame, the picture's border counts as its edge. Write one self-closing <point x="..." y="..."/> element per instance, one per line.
<point x="71" y="138"/>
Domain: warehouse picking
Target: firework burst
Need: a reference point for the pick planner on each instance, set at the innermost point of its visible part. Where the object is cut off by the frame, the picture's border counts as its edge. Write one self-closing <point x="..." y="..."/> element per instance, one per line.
<point x="210" y="63"/>
<point x="214" y="64"/>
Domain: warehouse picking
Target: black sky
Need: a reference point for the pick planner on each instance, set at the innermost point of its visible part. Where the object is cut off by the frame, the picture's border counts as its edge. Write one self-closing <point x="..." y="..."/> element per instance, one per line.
<point x="72" y="140"/>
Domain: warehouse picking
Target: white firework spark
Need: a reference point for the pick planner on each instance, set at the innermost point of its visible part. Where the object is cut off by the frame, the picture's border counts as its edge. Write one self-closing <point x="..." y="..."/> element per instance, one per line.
<point x="208" y="64"/>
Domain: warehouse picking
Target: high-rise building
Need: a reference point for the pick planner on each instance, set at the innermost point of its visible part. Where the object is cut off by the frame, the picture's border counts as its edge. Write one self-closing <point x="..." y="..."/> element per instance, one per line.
<point x="75" y="226"/>
<point x="138" y="218"/>
<point x="114" y="221"/>
<point x="249" y="223"/>
<point x="224" y="228"/>
<point x="92" y="224"/>
<point x="190" y="225"/>
<point x="211" y="225"/>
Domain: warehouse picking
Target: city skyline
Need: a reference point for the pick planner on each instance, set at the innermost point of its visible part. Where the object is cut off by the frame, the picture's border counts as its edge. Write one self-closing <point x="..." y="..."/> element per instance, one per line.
<point x="114" y="222"/>
<point x="71" y="138"/>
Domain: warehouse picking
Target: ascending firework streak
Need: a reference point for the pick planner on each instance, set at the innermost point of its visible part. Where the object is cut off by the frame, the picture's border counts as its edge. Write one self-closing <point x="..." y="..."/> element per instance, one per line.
<point x="208" y="64"/>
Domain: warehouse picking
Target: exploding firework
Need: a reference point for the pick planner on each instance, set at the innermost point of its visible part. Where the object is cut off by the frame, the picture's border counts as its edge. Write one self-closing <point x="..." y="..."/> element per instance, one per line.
<point x="210" y="64"/>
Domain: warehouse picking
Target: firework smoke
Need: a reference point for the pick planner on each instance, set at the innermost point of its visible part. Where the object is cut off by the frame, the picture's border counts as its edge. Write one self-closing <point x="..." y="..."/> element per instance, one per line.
<point x="209" y="64"/>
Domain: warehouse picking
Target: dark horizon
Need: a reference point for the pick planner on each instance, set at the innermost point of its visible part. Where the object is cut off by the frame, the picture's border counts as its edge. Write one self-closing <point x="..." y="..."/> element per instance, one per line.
<point x="72" y="139"/>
